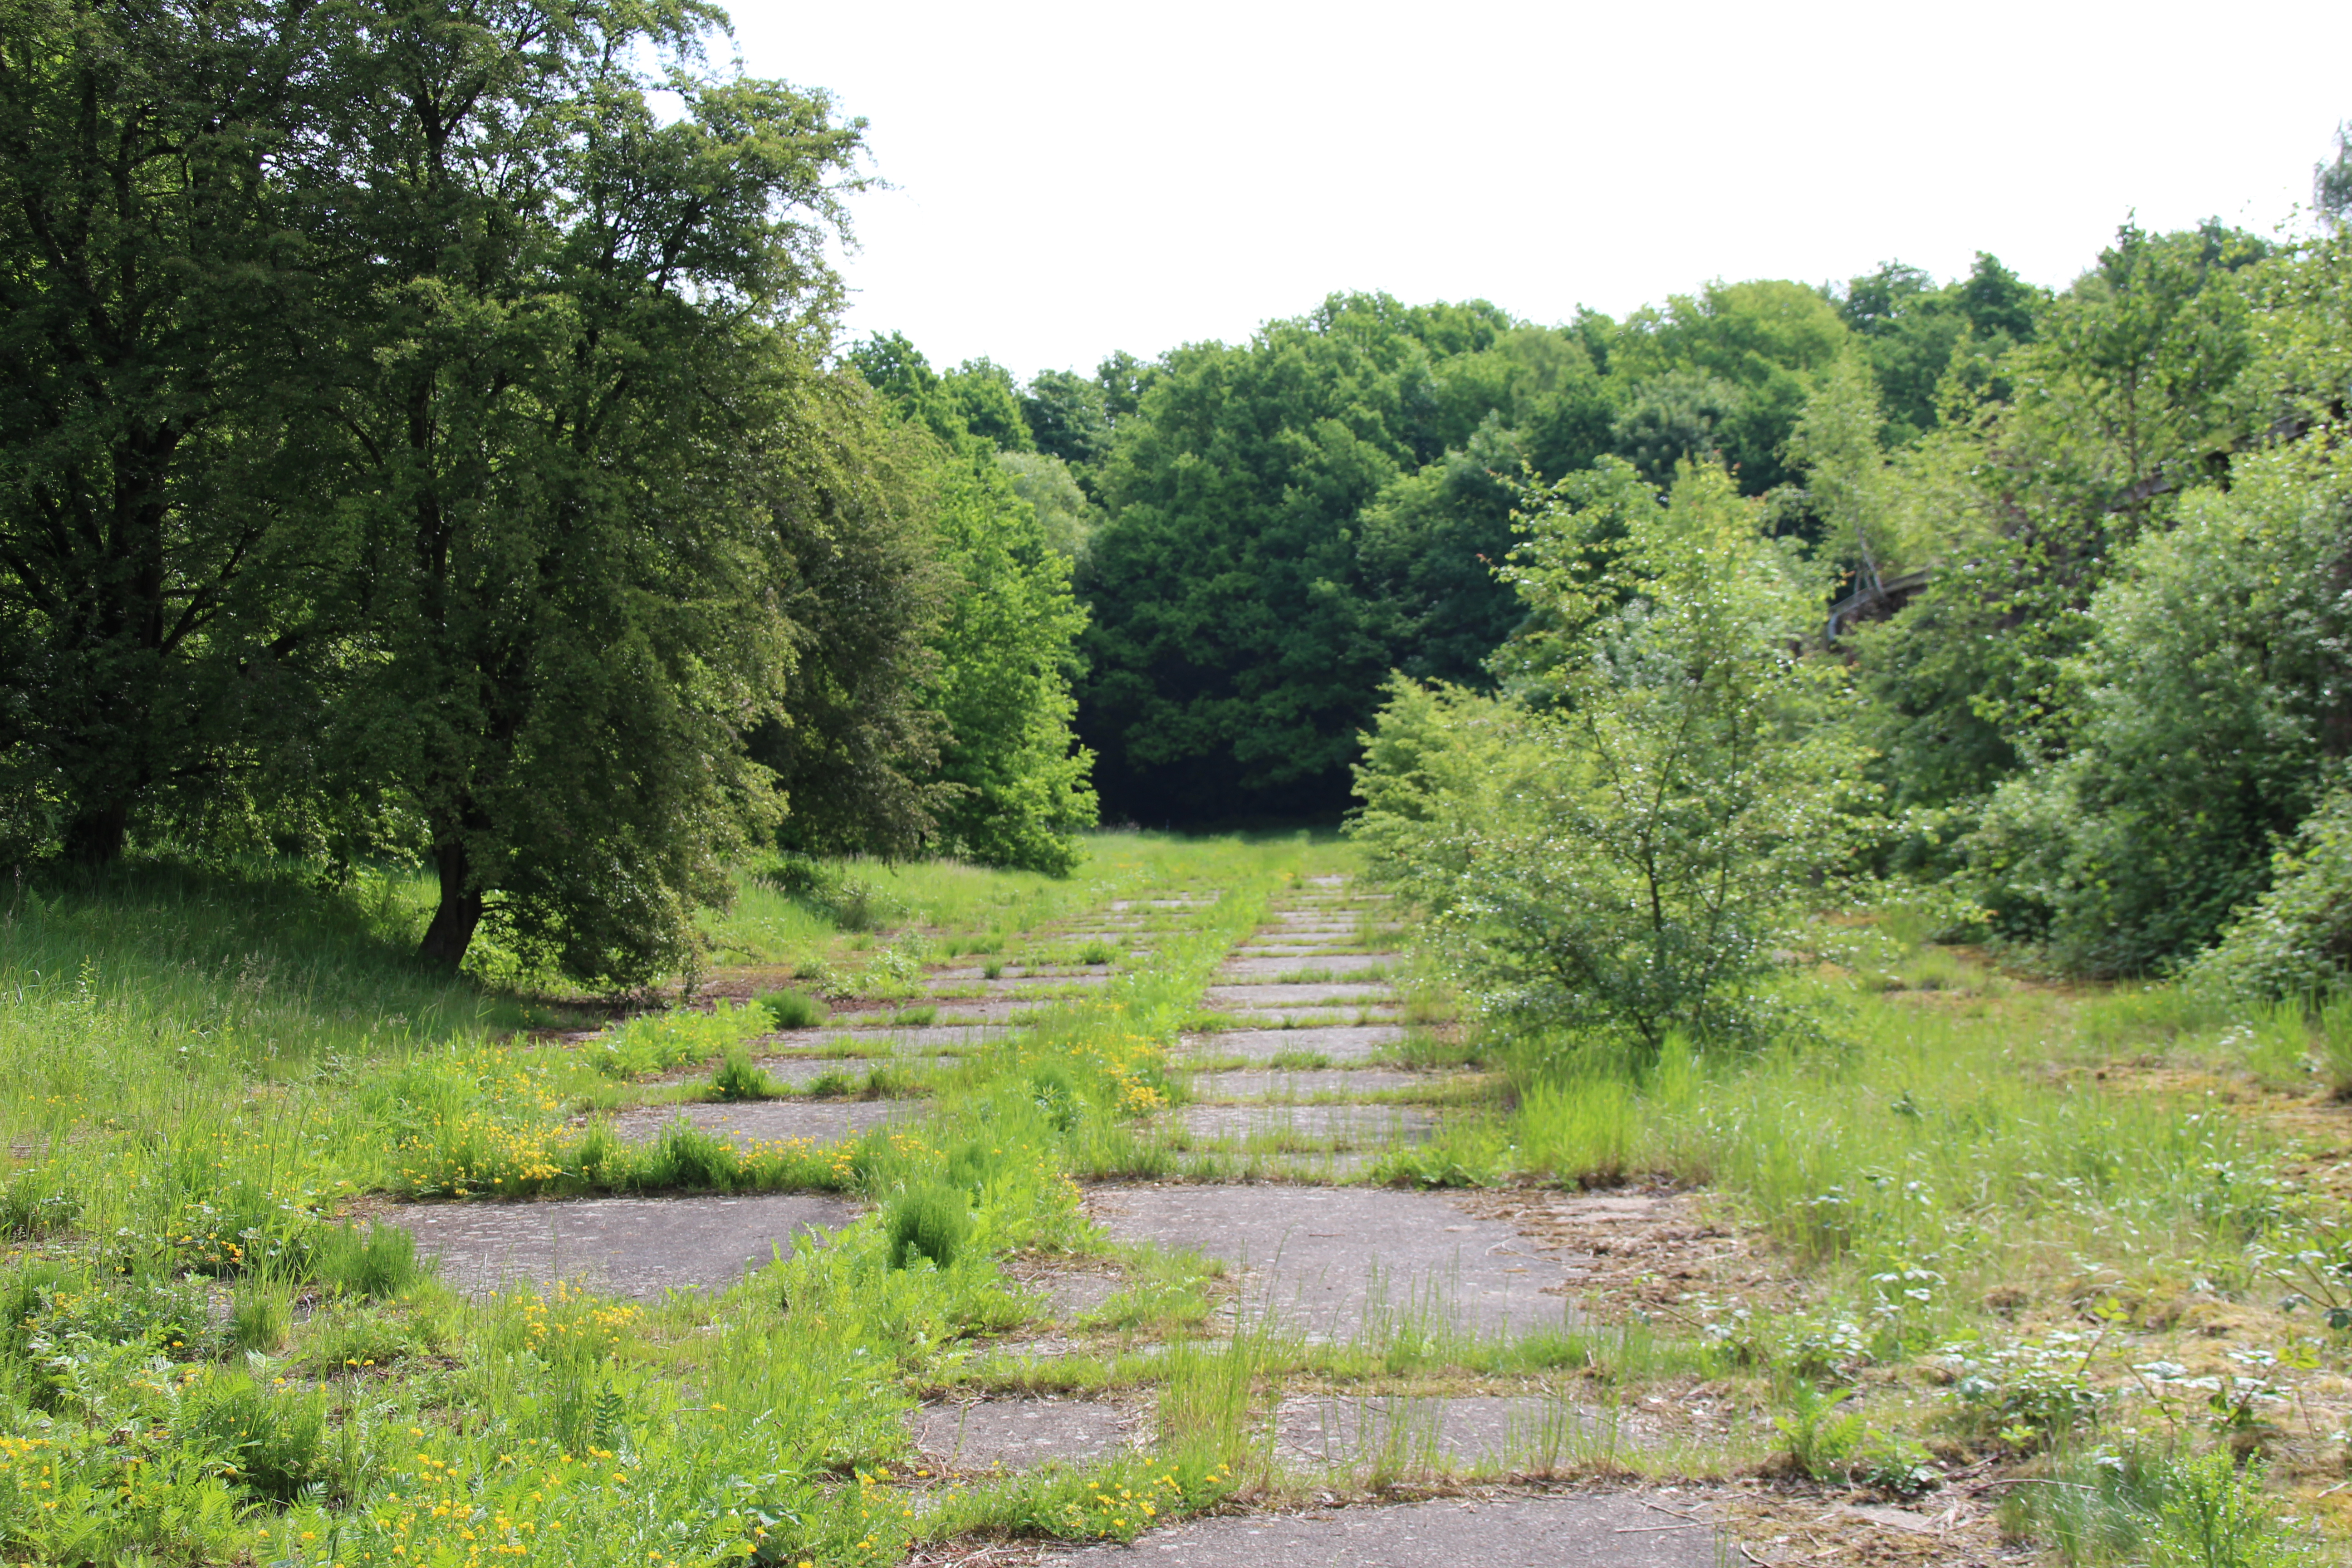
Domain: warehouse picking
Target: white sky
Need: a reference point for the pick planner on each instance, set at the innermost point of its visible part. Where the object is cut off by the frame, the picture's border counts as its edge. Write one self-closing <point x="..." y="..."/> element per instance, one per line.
<point x="1071" y="179"/>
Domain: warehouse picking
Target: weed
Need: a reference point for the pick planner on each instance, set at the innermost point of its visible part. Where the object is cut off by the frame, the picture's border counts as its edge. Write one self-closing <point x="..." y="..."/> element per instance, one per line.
<point x="992" y="969"/>
<point x="931" y="1221"/>
<point x="1094" y="953"/>
<point x="1822" y="1437"/>
<point x="378" y="1261"/>
<point x="793" y="1009"/>
<point x="740" y="1077"/>
<point x="260" y="1316"/>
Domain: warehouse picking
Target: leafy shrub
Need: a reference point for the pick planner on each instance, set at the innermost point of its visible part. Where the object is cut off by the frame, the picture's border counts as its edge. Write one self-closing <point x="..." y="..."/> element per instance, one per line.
<point x="1626" y="842"/>
<point x="2199" y="712"/>
<point x="1054" y="1088"/>
<point x="740" y="1077"/>
<point x="2294" y="942"/>
<point x="933" y="1221"/>
<point x="379" y="1262"/>
<point x="793" y="1009"/>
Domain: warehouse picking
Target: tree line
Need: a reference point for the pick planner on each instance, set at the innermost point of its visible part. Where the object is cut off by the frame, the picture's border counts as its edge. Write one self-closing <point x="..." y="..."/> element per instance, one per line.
<point x="2090" y="542"/>
<point x="426" y="434"/>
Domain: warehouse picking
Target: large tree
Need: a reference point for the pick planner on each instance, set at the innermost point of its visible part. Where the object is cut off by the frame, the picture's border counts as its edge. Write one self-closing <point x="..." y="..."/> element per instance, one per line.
<point x="579" y="326"/>
<point x="158" y="444"/>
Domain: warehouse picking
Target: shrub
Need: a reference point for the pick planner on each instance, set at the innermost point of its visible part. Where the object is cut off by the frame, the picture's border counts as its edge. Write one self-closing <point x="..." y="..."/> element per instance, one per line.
<point x="932" y="1220"/>
<point x="793" y="1009"/>
<point x="1627" y="841"/>
<point x="2294" y="942"/>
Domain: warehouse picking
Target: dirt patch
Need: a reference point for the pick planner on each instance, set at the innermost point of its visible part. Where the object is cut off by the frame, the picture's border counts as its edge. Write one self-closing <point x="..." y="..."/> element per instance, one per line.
<point x="1642" y="1248"/>
<point x="622" y="1246"/>
<point x="1015" y="1434"/>
<point x="1590" y="1530"/>
<point x="1338" y="1263"/>
<point x="1338" y="1042"/>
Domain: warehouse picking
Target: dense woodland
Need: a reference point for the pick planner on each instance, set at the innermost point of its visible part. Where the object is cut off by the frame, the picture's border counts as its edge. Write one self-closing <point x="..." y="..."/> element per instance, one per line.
<point x="422" y="444"/>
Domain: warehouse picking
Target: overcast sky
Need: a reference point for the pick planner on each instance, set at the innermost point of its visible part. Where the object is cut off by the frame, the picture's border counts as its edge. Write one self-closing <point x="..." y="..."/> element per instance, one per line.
<point x="1071" y="179"/>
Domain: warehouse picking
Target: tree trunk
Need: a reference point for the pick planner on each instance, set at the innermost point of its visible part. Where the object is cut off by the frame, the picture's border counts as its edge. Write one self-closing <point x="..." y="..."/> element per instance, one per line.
<point x="452" y="931"/>
<point x="96" y="837"/>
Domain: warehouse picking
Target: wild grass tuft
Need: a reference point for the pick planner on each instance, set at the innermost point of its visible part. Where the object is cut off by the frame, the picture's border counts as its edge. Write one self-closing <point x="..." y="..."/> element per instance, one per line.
<point x="933" y="1221"/>
<point x="793" y="1009"/>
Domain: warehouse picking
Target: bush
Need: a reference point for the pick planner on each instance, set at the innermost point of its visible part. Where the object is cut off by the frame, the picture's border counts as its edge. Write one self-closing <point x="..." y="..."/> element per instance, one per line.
<point x="2201" y="714"/>
<point x="1626" y="842"/>
<point x="2294" y="942"/>
<point x="933" y="1221"/>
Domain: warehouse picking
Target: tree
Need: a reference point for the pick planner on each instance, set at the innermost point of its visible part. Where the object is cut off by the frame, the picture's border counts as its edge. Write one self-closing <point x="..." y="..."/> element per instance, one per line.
<point x="1621" y="846"/>
<point x="1068" y="418"/>
<point x="576" y="334"/>
<point x="856" y="747"/>
<point x="159" y="559"/>
<point x="1066" y="518"/>
<point x="1011" y="786"/>
<point x="1768" y="339"/>
<point x="986" y="399"/>
<point x="1231" y="658"/>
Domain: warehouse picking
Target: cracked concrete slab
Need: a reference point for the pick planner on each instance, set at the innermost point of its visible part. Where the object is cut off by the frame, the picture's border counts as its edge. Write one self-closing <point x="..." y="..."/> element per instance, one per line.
<point x="1338" y="1263"/>
<point x="621" y="1246"/>
<point x="1583" y="1529"/>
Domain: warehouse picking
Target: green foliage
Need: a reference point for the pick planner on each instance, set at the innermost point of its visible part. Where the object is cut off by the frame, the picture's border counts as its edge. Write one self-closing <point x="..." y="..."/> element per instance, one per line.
<point x="794" y="1009"/>
<point x="1624" y="848"/>
<point x="1822" y="1436"/>
<point x="1065" y="516"/>
<point x="739" y="1078"/>
<point x="2295" y="941"/>
<point x="2204" y="718"/>
<point x="2217" y="1517"/>
<point x="931" y="1221"/>
<point x="378" y="1261"/>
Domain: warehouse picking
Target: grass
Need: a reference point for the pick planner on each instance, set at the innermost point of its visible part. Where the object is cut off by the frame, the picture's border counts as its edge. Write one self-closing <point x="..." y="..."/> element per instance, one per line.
<point x="1971" y="1246"/>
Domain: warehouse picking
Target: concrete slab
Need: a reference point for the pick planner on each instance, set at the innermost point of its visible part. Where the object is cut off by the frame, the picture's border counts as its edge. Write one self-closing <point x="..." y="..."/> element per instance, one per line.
<point x="916" y="1038"/>
<point x="1343" y="1125"/>
<point x="1304" y="1083"/>
<point x="1522" y="1433"/>
<point x="1329" y="993"/>
<point x="1336" y="1042"/>
<point x="1248" y="964"/>
<point x="1017" y="1433"/>
<point x="800" y="1071"/>
<point x="1337" y="1263"/>
<point x="745" y="1122"/>
<point x="620" y="1246"/>
<point x="1584" y="1530"/>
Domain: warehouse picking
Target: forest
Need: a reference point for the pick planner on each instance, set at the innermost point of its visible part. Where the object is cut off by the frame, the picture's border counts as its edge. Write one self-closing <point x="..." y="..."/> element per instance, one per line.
<point x="636" y="928"/>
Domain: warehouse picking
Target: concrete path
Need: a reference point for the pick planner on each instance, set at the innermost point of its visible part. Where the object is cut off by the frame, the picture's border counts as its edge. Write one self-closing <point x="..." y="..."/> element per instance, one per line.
<point x="1615" y="1529"/>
